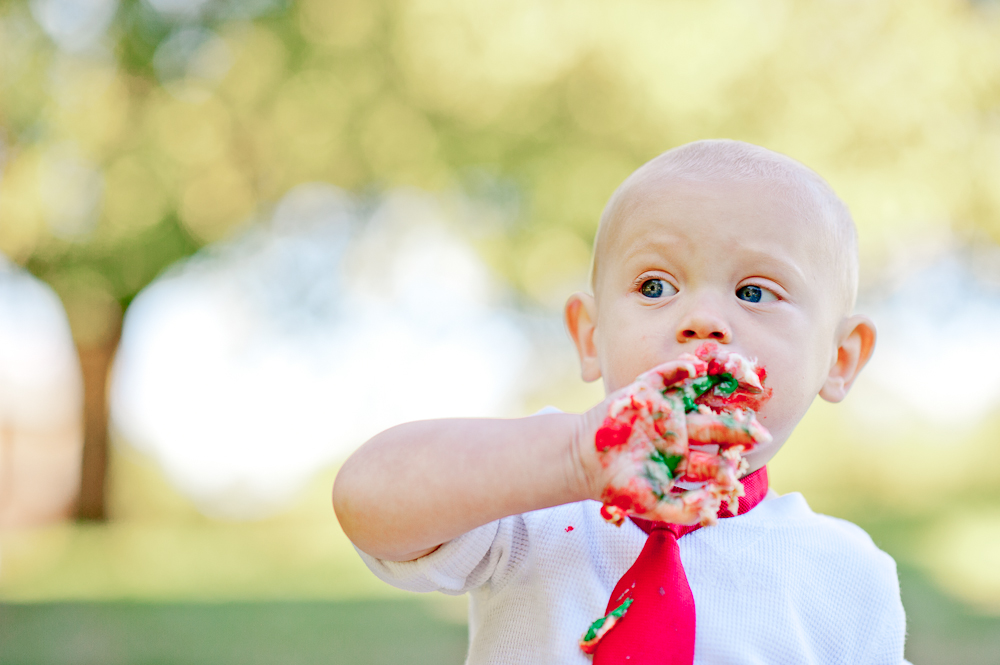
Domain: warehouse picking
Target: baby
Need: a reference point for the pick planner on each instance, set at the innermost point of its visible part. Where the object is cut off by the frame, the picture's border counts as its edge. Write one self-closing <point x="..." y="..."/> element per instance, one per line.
<point x="715" y="241"/>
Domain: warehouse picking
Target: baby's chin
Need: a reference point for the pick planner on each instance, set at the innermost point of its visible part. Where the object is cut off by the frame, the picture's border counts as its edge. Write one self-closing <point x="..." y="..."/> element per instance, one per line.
<point x="763" y="453"/>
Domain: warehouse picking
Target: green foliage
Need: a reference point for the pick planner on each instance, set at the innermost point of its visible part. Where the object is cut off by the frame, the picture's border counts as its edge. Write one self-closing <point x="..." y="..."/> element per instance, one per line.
<point x="892" y="103"/>
<point x="125" y="265"/>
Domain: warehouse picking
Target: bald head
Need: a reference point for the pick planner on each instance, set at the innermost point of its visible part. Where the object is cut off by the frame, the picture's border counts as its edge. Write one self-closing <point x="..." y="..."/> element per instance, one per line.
<point x="721" y="160"/>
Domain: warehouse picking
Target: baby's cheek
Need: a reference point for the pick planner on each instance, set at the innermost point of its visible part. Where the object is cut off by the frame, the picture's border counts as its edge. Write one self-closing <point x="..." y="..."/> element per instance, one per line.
<point x="788" y="404"/>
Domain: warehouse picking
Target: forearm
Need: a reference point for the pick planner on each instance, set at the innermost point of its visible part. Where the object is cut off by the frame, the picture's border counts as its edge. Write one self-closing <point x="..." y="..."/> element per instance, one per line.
<point x="418" y="485"/>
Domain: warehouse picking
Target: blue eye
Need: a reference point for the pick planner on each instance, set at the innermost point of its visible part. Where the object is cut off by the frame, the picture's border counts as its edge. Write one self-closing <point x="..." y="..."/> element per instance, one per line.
<point x="749" y="293"/>
<point x="752" y="293"/>
<point x="657" y="288"/>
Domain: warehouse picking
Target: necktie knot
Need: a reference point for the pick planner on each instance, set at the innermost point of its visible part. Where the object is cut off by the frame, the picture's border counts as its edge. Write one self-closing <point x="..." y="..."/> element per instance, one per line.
<point x="672" y="529"/>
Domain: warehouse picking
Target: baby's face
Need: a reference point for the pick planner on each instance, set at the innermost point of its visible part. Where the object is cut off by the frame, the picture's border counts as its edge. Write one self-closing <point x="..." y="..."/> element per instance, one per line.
<point x="734" y="262"/>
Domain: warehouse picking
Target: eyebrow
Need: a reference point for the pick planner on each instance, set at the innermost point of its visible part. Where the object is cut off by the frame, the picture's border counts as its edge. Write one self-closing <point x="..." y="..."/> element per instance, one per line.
<point x="780" y="264"/>
<point x="657" y="247"/>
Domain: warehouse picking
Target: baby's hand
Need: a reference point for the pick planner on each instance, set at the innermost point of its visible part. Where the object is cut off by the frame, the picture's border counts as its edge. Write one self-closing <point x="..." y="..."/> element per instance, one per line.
<point x="642" y="446"/>
<point x="659" y="430"/>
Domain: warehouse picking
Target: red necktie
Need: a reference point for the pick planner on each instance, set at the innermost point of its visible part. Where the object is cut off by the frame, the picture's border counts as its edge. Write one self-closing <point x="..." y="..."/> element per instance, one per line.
<point x="657" y="627"/>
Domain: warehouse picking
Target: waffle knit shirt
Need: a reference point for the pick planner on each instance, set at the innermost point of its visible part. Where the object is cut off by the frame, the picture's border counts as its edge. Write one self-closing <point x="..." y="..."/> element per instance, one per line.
<point x="780" y="584"/>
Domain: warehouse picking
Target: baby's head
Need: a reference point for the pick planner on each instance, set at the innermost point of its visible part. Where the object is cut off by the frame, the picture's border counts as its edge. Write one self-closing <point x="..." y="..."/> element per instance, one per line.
<point x="726" y="241"/>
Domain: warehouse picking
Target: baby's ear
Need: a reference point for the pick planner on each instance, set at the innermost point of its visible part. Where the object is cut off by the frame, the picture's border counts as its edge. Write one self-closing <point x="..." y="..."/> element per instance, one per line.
<point x="855" y="343"/>
<point x="581" y="319"/>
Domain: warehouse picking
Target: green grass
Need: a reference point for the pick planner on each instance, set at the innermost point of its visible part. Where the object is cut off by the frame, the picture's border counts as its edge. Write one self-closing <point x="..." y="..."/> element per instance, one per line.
<point x="161" y="585"/>
<point x="363" y="632"/>
<point x="409" y="631"/>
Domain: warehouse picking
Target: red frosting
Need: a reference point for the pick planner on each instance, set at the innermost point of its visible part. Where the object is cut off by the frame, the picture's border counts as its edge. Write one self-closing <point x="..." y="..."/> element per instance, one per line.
<point x="612" y="434"/>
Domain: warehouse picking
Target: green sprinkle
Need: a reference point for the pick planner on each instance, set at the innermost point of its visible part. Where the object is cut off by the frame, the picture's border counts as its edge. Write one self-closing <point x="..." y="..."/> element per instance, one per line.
<point x="618" y="612"/>
<point x="594" y="627"/>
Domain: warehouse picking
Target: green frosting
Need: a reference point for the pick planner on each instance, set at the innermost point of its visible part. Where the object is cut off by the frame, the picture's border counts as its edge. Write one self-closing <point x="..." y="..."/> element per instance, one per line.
<point x="727" y="385"/>
<point x="724" y="384"/>
<point x="618" y="612"/>
<point x="668" y="461"/>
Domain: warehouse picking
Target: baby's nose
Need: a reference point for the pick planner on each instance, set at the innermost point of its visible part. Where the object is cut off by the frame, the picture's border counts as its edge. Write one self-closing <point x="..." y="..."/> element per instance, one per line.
<point x="703" y="326"/>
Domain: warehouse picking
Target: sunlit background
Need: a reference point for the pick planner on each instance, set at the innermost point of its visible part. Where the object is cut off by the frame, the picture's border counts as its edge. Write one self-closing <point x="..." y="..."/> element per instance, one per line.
<point x="237" y="238"/>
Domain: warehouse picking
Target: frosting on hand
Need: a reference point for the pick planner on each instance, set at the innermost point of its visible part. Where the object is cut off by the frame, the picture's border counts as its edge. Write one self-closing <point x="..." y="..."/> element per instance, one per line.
<point x="688" y="421"/>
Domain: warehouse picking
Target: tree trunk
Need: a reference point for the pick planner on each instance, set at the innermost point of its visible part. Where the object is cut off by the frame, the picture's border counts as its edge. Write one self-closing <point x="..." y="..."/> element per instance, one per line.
<point x="95" y="362"/>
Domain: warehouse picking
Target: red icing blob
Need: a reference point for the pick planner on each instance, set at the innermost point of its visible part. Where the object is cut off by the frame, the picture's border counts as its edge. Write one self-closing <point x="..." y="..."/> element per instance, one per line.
<point x="715" y="367"/>
<point x="612" y="434"/>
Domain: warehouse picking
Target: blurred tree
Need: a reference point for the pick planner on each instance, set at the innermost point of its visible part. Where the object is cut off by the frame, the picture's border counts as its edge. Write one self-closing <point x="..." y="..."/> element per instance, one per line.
<point x="134" y="132"/>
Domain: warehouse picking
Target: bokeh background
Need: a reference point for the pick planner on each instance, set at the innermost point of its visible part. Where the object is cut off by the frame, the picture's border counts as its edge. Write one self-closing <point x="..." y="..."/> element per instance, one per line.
<point x="240" y="237"/>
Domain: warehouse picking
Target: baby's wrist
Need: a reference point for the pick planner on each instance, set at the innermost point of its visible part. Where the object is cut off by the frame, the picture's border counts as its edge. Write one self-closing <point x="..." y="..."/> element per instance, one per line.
<point x="587" y="465"/>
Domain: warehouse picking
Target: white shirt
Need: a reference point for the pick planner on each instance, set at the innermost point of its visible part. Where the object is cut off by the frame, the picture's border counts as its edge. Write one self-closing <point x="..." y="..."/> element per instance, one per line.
<point x="779" y="584"/>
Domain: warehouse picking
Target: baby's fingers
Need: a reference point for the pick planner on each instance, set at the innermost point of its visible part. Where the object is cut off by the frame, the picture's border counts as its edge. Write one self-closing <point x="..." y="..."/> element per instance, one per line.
<point x="726" y="429"/>
<point x="675" y="510"/>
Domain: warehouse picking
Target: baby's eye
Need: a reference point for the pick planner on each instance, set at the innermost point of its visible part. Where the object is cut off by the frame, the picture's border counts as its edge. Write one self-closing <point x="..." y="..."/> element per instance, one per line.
<point x="657" y="288"/>
<point x="753" y="293"/>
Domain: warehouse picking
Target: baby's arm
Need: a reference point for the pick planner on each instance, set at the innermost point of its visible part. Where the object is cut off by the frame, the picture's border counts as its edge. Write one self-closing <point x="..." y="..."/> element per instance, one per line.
<point x="418" y="485"/>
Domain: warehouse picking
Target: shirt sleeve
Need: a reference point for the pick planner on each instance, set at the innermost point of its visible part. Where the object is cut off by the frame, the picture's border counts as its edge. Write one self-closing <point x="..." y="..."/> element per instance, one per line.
<point x="487" y="554"/>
